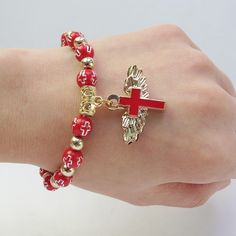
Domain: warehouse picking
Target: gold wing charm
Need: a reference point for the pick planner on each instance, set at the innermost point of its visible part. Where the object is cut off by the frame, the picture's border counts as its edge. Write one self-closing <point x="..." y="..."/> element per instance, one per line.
<point x="133" y="126"/>
<point x="137" y="104"/>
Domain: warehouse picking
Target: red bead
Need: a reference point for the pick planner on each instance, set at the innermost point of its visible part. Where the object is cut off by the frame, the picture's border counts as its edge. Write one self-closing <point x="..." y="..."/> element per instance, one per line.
<point x="42" y="172"/>
<point x="72" y="37"/>
<point x="47" y="183"/>
<point x="72" y="158"/>
<point x="87" y="76"/>
<point x="84" y="50"/>
<point x="64" y="40"/>
<point x="60" y="179"/>
<point x="81" y="126"/>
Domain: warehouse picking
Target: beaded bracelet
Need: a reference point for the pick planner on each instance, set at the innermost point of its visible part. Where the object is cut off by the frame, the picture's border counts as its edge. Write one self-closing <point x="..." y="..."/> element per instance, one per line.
<point x="133" y="120"/>
<point x="81" y="125"/>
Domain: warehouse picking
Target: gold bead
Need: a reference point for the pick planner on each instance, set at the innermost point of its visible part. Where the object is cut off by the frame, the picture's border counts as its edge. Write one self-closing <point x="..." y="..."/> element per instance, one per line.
<point x="88" y="103"/>
<point x="76" y="143"/>
<point x="78" y="41"/>
<point x="53" y="183"/>
<point x="88" y="62"/>
<point x="67" y="171"/>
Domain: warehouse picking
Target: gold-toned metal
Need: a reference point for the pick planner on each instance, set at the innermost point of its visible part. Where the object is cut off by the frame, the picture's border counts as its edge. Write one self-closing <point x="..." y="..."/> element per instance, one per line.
<point x="88" y="109"/>
<point x="67" y="171"/>
<point x="88" y="62"/>
<point x="99" y="101"/>
<point x="88" y="103"/>
<point x="134" y="126"/>
<point x="78" y="41"/>
<point x="112" y="102"/>
<point x="88" y="91"/>
<point x="53" y="183"/>
<point x="76" y="143"/>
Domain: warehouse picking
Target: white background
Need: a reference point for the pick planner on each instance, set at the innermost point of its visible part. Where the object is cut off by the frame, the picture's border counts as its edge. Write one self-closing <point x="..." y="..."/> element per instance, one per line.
<point x="25" y="207"/>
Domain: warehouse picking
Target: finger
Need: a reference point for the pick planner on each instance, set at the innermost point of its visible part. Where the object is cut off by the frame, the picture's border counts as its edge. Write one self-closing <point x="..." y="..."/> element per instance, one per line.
<point x="180" y="194"/>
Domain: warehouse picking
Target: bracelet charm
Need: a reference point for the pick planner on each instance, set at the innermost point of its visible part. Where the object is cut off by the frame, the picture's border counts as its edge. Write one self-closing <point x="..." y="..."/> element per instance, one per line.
<point x="138" y="102"/>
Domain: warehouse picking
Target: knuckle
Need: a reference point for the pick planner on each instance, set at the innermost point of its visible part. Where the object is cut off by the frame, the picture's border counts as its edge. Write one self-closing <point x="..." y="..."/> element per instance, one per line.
<point x="209" y="99"/>
<point x="169" y="32"/>
<point x="171" y="29"/>
<point x="199" y="62"/>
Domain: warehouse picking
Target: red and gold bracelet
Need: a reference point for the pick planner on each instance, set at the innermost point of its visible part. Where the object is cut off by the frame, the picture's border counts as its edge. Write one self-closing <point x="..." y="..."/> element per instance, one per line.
<point x="133" y="120"/>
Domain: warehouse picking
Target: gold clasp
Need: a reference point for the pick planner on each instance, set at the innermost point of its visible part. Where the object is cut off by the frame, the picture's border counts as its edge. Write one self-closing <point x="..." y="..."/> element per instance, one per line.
<point x="111" y="102"/>
<point x="98" y="101"/>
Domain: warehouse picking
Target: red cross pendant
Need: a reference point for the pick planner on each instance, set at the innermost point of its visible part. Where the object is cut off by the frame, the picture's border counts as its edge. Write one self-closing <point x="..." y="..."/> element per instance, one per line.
<point x="135" y="102"/>
<point x="133" y="120"/>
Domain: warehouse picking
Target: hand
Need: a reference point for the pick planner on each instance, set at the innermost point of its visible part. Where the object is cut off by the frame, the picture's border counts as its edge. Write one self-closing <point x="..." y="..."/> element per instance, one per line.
<point x="185" y="154"/>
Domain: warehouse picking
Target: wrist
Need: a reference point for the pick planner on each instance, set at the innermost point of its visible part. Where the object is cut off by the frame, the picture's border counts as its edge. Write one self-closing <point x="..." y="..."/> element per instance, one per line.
<point x="38" y="100"/>
<point x="13" y="92"/>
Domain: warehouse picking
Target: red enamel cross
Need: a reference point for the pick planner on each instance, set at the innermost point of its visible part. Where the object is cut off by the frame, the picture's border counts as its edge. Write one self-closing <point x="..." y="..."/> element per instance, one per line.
<point x="135" y="101"/>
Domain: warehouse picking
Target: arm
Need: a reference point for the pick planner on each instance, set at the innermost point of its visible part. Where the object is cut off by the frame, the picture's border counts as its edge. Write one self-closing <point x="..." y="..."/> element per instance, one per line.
<point x="179" y="160"/>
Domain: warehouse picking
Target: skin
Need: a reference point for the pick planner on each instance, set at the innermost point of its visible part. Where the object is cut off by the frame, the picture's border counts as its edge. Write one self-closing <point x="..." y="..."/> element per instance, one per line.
<point x="185" y="154"/>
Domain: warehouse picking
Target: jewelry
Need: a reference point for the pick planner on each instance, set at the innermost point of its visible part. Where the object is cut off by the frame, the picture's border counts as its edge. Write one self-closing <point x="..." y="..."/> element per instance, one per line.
<point x="133" y="120"/>
<point x="138" y="103"/>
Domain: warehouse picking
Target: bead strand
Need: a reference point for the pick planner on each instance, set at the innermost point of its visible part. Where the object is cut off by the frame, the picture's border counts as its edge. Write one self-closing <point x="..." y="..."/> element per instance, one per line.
<point x="81" y="126"/>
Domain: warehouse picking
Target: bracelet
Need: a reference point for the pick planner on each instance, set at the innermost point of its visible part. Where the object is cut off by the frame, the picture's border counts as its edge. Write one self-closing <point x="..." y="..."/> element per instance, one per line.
<point x="133" y="120"/>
